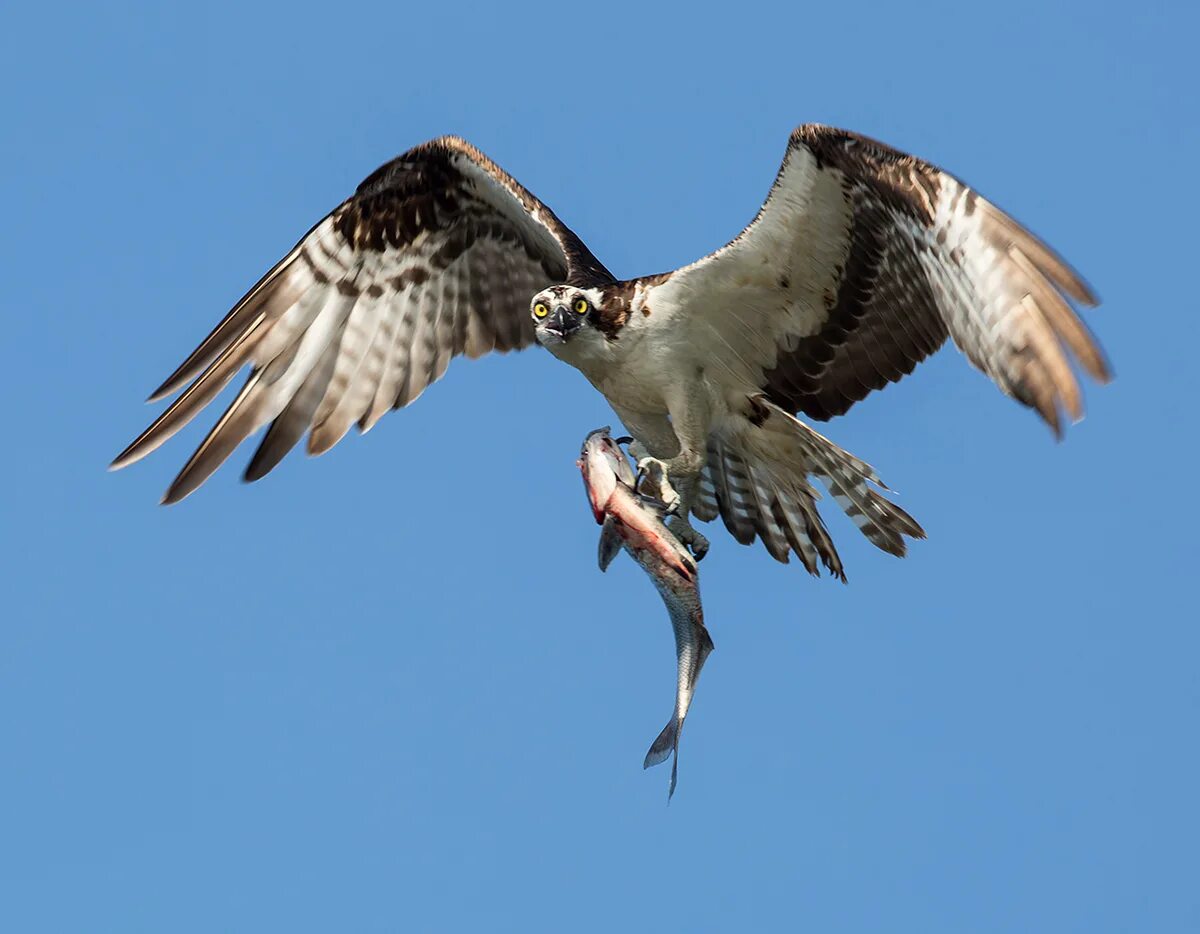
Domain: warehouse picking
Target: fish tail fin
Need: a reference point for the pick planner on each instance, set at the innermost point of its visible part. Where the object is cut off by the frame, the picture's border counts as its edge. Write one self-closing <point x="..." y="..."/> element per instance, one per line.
<point x="667" y="744"/>
<point x="664" y="745"/>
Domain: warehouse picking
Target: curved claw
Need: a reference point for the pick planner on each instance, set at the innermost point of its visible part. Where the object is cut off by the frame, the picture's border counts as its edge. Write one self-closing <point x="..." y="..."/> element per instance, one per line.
<point x="652" y="483"/>
<point x="688" y="536"/>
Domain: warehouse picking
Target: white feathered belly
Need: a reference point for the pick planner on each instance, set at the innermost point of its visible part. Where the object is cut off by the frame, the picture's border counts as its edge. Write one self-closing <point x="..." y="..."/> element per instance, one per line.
<point x="652" y="377"/>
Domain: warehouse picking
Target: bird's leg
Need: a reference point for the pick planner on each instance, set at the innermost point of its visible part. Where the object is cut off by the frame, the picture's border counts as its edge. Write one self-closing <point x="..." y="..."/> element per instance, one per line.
<point x="669" y="455"/>
<point x="683" y="474"/>
<point x="653" y="442"/>
<point x="691" y="411"/>
<point x="672" y="482"/>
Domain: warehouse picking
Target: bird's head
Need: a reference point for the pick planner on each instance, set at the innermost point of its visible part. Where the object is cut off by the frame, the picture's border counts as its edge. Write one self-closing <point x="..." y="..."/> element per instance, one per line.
<point x="562" y="313"/>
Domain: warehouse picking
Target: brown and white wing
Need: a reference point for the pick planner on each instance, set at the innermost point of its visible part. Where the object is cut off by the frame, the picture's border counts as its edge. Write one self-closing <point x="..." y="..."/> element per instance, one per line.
<point x="437" y="254"/>
<point x="859" y="265"/>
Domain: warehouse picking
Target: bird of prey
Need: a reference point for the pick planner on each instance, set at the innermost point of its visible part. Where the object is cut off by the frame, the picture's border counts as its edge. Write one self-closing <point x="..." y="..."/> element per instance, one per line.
<point x="861" y="262"/>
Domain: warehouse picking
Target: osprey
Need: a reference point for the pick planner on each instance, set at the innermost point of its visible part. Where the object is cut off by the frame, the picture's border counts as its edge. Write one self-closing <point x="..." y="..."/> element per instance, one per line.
<point x="859" y="265"/>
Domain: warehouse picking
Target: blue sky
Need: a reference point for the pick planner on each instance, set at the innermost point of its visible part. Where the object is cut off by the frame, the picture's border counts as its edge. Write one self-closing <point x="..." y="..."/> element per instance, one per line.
<point x="388" y="689"/>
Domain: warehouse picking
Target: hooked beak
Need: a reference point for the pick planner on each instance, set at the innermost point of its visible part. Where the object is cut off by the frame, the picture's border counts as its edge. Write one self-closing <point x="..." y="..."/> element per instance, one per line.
<point x="562" y="323"/>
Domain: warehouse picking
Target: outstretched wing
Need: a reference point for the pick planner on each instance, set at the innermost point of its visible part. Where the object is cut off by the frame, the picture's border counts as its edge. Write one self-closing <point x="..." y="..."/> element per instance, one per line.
<point x="437" y="254"/>
<point x="860" y="264"/>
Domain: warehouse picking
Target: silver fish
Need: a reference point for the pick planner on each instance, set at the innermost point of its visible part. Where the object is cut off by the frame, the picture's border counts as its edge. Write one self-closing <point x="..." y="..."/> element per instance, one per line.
<point x="631" y="518"/>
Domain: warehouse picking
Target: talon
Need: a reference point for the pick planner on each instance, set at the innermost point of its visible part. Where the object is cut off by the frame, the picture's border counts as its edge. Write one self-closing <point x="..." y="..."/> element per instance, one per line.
<point x="652" y="483"/>
<point x="647" y="465"/>
<point x="688" y="536"/>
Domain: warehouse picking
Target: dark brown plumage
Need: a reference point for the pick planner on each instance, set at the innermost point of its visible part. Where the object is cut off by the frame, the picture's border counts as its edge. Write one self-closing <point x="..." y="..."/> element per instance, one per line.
<point x="886" y="315"/>
<point x="435" y="255"/>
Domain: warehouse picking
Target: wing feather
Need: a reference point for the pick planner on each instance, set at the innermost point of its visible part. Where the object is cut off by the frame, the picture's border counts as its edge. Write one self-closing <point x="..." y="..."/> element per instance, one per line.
<point x="264" y="396"/>
<point x="350" y="384"/>
<point x="437" y="254"/>
<point x="297" y="417"/>
<point x="861" y="262"/>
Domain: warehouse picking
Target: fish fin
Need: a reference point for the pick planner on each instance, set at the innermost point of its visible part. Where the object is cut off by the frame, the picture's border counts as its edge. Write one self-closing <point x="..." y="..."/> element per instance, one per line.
<point x="610" y="542"/>
<point x="664" y="745"/>
<point x="667" y="744"/>
<point x="706" y="647"/>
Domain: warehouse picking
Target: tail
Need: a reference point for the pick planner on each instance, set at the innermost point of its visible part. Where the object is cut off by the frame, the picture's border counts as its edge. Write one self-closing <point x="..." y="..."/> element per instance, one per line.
<point x="756" y="475"/>
<point x="667" y="744"/>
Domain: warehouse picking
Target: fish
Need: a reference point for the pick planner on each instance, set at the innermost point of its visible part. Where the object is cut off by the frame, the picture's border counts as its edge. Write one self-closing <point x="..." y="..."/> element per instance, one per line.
<point x="630" y="514"/>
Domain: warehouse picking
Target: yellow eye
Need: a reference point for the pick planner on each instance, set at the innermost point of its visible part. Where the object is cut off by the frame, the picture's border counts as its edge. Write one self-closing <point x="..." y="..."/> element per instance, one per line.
<point x="540" y="310"/>
<point x="581" y="306"/>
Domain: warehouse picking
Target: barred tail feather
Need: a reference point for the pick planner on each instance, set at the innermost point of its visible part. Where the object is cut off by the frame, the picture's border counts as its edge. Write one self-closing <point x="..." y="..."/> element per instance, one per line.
<point x="756" y="497"/>
<point x="756" y="479"/>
